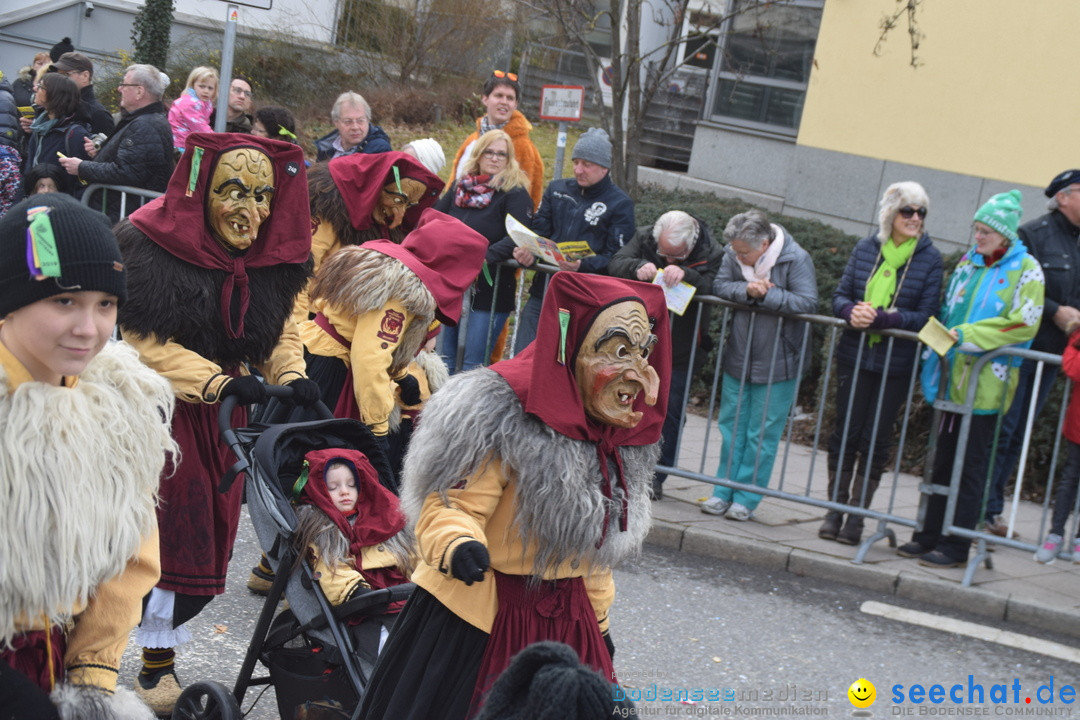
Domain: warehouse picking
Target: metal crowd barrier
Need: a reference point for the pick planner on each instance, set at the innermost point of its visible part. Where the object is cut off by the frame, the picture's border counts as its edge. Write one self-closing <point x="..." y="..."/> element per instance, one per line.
<point x="116" y="201"/>
<point x="810" y="488"/>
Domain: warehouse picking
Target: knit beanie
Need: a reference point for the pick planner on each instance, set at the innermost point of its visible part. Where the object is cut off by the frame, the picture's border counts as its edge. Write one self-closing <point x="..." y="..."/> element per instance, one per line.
<point x="1002" y="213"/>
<point x="64" y="46"/>
<point x="547" y="680"/>
<point x="52" y="244"/>
<point x="593" y="146"/>
<point x="429" y="152"/>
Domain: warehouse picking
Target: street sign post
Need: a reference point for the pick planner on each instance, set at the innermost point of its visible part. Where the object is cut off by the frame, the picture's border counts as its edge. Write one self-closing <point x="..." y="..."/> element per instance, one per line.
<point x="565" y="104"/>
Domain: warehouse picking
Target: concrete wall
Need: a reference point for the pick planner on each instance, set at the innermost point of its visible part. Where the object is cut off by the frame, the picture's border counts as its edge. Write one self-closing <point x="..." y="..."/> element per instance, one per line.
<point x="841" y="189"/>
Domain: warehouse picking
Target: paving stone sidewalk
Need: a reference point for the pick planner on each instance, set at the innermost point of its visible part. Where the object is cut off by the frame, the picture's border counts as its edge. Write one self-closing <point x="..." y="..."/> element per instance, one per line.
<point x="782" y="535"/>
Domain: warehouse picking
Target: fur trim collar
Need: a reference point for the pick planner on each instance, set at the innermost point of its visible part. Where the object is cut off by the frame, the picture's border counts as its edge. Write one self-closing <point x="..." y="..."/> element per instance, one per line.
<point x="79" y="470"/>
<point x="477" y="418"/>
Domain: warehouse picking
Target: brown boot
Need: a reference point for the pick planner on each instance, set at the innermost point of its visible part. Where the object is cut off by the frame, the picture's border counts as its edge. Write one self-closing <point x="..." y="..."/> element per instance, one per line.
<point x="831" y="527"/>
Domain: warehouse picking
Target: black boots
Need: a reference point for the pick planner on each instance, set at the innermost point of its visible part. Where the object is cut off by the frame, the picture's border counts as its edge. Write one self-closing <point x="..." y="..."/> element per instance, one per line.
<point x="830" y="529"/>
<point x="851" y="533"/>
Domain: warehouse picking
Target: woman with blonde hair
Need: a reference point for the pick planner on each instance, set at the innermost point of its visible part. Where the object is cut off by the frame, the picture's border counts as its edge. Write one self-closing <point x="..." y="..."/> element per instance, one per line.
<point x="493" y="186"/>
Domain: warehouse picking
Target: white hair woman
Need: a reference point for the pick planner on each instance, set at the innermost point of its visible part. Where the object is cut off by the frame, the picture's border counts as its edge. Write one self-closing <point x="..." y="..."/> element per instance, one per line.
<point x="892" y="280"/>
<point x="763" y="268"/>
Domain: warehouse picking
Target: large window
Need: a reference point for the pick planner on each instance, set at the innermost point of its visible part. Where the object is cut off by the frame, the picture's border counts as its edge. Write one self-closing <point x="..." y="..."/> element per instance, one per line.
<point x="764" y="63"/>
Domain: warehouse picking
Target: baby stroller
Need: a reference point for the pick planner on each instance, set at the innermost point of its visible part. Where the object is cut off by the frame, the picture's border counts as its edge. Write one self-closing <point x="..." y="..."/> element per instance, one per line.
<point x="317" y="667"/>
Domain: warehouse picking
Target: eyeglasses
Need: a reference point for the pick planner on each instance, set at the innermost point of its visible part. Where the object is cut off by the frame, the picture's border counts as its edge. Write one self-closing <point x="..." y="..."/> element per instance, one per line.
<point x="495" y="154"/>
<point x="674" y="258"/>
<point x="907" y="212"/>
<point x="352" y="121"/>
<point x="239" y="91"/>
<point x="503" y="74"/>
<point x="128" y="85"/>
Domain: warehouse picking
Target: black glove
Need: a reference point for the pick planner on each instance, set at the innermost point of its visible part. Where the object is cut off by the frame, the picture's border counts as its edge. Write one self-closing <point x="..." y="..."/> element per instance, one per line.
<point x="305" y="393"/>
<point x="610" y="644"/>
<point x="409" y="388"/>
<point x="469" y="562"/>
<point x="247" y="389"/>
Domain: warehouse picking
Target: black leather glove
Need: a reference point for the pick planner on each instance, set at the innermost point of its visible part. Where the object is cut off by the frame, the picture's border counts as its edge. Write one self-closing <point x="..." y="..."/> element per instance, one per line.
<point x="247" y="389"/>
<point x="305" y="393"/>
<point x="469" y="562"/>
<point x="409" y="388"/>
<point x="610" y="644"/>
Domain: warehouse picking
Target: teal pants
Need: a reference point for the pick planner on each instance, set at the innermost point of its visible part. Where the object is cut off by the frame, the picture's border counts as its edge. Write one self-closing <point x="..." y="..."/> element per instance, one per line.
<point x="751" y="422"/>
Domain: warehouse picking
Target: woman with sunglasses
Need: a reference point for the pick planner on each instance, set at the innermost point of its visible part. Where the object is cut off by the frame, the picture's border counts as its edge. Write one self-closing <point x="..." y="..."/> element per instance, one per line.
<point x="893" y="280"/>
<point x="492" y="187"/>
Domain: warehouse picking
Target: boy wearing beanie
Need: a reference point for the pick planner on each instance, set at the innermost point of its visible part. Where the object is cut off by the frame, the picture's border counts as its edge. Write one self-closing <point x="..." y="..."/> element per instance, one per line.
<point x="587" y="207"/>
<point x="85" y="435"/>
<point x="994" y="300"/>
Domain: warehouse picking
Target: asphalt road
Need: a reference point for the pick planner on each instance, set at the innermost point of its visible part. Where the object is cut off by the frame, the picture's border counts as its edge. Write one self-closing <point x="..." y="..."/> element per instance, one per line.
<point x="738" y="640"/>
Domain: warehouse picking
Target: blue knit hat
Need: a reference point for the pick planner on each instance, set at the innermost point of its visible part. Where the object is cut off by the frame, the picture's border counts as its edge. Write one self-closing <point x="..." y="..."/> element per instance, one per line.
<point x="1002" y="213"/>
<point x="593" y="146"/>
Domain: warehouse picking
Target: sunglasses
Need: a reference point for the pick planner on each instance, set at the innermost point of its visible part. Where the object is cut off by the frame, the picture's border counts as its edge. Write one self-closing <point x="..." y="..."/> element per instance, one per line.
<point x="503" y="74"/>
<point x="908" y="211"/>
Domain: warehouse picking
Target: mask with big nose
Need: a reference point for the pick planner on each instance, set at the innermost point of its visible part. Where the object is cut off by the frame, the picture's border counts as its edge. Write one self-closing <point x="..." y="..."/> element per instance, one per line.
<point x="397" y="197"/>
<point x="241" y="192"/>
<point x="612" y="367"/>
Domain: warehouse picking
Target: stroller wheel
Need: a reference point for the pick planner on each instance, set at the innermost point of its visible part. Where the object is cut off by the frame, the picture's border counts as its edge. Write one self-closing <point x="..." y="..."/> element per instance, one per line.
<point x="206" y="701"/>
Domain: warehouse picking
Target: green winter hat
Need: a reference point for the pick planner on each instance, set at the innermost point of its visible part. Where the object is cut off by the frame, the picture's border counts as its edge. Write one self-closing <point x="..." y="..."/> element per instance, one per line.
<point x="1002" y="213"/>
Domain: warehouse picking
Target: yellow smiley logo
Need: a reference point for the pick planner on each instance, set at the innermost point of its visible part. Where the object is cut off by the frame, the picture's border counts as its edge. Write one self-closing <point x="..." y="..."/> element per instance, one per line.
<point x="862" y="693"/>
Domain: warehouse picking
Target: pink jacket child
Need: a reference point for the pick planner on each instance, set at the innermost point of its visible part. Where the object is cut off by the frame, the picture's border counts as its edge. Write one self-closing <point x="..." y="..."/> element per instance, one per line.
<point x="191" y="111"/>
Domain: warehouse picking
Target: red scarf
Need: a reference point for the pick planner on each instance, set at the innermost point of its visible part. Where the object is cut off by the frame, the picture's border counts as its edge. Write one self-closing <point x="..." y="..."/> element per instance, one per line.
<point x="360" y="179"/>
<point x="549" y="390"/>
<point x="473" y="191"/>
<point x="177" y="220"/>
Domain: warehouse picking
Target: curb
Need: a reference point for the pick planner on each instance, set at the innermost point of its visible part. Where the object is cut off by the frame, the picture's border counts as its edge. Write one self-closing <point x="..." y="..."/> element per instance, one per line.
<point x="910" y="586"/>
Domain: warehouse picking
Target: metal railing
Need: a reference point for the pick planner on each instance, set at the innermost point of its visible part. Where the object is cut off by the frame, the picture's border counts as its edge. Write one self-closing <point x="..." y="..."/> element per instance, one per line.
<point x="116" y="201"/>
<point x="818" y="354"/>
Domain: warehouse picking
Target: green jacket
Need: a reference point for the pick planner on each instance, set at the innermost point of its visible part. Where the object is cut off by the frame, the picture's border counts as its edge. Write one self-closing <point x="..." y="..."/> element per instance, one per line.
<point x="989" y="307"/>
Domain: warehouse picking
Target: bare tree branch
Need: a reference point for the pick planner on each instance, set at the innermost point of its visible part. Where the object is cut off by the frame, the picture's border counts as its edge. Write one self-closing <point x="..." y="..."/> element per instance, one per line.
<point x="909" y="9"/>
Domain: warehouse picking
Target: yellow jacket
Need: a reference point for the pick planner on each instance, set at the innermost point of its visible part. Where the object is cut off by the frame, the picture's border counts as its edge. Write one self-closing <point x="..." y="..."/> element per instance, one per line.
<point x="483" y="510"/>
<point x="369" y="356"/>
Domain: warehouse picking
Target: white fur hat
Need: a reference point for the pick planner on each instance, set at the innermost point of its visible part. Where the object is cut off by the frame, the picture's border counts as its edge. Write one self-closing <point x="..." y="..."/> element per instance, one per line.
<point x="428" y="152"/>
<point x="897" y="196"/>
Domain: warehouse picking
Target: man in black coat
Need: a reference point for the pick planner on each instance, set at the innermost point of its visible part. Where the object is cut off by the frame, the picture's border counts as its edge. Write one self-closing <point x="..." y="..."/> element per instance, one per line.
<point x="1054" y="240"/>
<point x="680" y="249"/>
<point x="140" y="151"/>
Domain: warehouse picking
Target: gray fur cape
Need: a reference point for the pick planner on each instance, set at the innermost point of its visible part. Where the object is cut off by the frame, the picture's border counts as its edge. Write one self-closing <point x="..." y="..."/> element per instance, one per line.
<point x="477" y="418"/>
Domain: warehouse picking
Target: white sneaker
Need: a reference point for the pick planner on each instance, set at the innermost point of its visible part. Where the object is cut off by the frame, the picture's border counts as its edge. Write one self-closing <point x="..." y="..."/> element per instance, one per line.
<point x="1050" y="548"/>
<point x="715" y="506"/>
<point x="739" y="512"/>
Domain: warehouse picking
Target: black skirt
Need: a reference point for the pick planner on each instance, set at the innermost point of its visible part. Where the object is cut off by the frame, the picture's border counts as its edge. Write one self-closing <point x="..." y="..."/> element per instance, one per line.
<point x="428" y="668"/>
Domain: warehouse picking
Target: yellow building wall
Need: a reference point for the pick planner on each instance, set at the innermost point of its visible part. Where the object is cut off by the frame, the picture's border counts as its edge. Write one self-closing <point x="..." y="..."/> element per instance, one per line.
<point x="995" y="94"/>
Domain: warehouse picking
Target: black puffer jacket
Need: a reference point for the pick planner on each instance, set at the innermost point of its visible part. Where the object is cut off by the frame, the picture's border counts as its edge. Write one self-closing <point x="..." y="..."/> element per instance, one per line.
<point x="917" y="298"/>
<point x="10" y="132"/>
<point x="1053" y="241"/>
<point x="139" y="154"/>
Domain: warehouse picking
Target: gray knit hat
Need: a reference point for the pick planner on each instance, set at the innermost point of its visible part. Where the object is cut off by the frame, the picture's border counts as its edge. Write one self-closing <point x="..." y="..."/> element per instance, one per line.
<point x="52" y="244"/>
<point x="593" y="146"/>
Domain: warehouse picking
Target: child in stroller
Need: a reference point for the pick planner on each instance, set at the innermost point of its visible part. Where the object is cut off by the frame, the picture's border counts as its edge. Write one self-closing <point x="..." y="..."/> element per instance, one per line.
<point x="351" y="529"/>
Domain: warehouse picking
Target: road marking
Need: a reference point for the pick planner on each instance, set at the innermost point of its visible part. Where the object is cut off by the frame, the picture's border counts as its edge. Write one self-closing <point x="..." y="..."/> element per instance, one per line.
<point x="974" y="630"/>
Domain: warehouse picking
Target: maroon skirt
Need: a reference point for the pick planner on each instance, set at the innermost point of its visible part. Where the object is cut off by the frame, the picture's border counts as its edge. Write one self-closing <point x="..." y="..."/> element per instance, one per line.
<point x="197" y="523"/>
<point x="30" y="652"/>
<point x="550" y="610"/>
